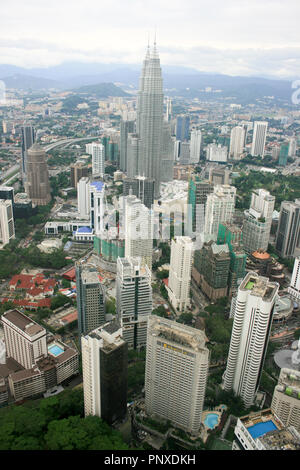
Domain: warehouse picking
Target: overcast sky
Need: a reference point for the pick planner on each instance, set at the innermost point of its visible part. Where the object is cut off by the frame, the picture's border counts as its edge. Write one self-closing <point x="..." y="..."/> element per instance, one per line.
<point x="236" y="37"/>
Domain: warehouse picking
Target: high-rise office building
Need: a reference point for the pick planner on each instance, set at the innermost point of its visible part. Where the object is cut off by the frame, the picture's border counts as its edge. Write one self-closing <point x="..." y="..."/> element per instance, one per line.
<point x="257" y="221"/>
<point x="184" y="156"/>
<point x="252" y="311"/>
<point x="7" y="226"/>
<point x="104" y="370"/>
<point x="294" y="288"/>
<point x="287" y="237"/>
<point x="138" y="230"/>
<point x="197" y="196"/>
<point x="259" y="138"/>
<point x="27" y="140"/>
<point x="182" y="128"/>
<point x="25" y="340"/>
<point x="83" y="198"/>
<point x="37" y="176"/>
<point x="177" y="362"/>
<point x="292" y="147"/>
<point x="90" y="298"/>
<point x="168" y="115"/>
<point x="283" y="154"/>
<point x="167" y="153"/>
<point x="126" y="127"/>
<point x="219" y="208"/>
<point x="195" y="146"/>
<point x="7" y="192"/>
<point x="78" y="171"/>
<point x="134" y="300"/>
<point x="180" y="272"/>
<point x="141" y="187"/>
<point x="98" y="160"/>
<point x="150" y="119"/>
<point x="132" y="155"/>
<point x="237" y="142"/>
<point x="286" y="398"/>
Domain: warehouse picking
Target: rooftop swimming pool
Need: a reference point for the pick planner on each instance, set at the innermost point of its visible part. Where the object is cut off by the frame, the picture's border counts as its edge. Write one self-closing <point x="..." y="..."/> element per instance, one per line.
<point x="262" y="428"/>
<point x="211" y="420"/>
<point x="55" y="350"/>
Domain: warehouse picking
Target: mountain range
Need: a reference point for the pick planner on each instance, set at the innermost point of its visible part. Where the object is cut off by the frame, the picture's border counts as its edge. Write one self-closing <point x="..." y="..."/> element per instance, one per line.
<point x="178" y="81"/>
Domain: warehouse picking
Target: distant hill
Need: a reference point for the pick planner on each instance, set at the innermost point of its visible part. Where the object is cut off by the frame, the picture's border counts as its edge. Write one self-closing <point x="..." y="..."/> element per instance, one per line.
<point x="27" y="82"/>
<point x="101" y="90"/>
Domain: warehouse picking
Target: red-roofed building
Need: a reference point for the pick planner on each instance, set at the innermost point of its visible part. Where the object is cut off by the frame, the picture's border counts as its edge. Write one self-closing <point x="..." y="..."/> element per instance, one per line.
<point x="166" y="282"/>
<point x="28" y="304"/>
<point x="35" y="286"/>
<point x="70" y="275"/>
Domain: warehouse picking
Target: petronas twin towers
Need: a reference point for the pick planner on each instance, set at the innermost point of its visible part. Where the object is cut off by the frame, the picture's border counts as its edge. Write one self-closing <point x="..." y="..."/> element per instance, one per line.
<point x="149" y="143"/>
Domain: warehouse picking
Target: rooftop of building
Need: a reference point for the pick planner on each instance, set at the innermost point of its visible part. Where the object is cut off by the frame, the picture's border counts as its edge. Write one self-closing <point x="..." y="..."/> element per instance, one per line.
<point x="284" y="439"/>
<point x="24" y="323"/>
<point x="263" y="255"/>
<point x="261" y="422"/>
<point x="259" y="286"/>
<point x="99" y="185"/>
<point x="107" y="333"/>
<point x="177" y="333"/>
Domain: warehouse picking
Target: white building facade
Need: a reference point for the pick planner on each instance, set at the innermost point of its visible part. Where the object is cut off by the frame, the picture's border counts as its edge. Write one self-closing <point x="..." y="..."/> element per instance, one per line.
<point x="180" y="272"/>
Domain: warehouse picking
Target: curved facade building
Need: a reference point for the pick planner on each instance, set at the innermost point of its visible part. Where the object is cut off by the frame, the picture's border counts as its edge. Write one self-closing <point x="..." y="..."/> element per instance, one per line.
<point x="252" y="311"/>
<point x="37" y="185"/>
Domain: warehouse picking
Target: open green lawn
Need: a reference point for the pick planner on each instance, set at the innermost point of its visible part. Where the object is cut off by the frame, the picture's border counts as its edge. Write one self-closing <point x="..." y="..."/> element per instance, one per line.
<point x="220" y="445"/>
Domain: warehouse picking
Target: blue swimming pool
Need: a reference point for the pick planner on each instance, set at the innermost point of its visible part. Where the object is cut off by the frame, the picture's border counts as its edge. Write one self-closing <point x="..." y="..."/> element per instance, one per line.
<point x="211" y="420"/>
<point x="55" y="350"/>
<point x="261" y="428"/>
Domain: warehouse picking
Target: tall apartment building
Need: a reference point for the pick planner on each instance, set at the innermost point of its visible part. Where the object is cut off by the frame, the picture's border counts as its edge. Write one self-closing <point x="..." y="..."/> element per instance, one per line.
<point x="104" y="370"/>
<point x="90" y="298"/>
<point x="133" y="146"/>
<point x="219" y="208"/>
<point x="177" y="362"/>
<point x="7" y="226"/>
<point x="211" y="269"/>
<point x="237" y="142"/>
<point x="195" y="146"/>
<point x="141" y="187"/>
<point x="259" y="138"/>
<point x="167" y="153"/>
<point x="216" y="153"/>
<point x="286" y="398"/>
<point x="252" y="311"/>
<point x="197" y="196"/>
<point x="294" y="288"/>
<point x="180" y="272"/>
<point x="287" y="237"/>
<point x="257" y="221"/>
<point x="78" y="171"/>
<point x="134" y="300"/>
<point x="292" y="147"/>
<point x="97" y="205"/>
<point x="126" y="127"/>
<point x="27" y="140"/>
<point x="37" y="176"/>
<point x="25" y="340"/>
<point x="98" y="159"/>
<point x="138" y="230"/>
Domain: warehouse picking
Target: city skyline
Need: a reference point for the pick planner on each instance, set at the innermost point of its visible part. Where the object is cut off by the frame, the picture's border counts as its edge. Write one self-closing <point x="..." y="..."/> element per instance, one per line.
<point x="272" y="48"/>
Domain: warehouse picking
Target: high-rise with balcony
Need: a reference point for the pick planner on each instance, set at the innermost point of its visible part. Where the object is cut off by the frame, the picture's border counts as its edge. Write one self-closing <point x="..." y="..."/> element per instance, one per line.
<point x="288" y="231"/>
<point x="27" y="140"/>
<point x="219" y="208"/>
<point x="252" y="311"/>
<point x="195" y="146"/>
<point x="98" y="159"/>
<point x="259" y="138"/>
<point x="257" y="221"/>
<point x="134" y="300"/>
<point x="180" y="272"/>
<point x="177" y="362"/>
<point x="104" y="370"/>
<point x="7" y="226"/>
<point x="294" y="288"/>
<point x="237" y="140"/>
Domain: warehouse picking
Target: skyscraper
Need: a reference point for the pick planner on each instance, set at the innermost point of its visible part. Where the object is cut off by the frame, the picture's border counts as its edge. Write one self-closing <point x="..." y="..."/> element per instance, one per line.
<point x="182" y="128"/>
<point x="252" y="312"/>
<point x="259" y="138"/>
<point x="237" y="141"/>
<point x="104" y="370"/>
<point x="180" y="272"/>
<point x="134" y="300"/>
<point x="7" y="226"/>
<point x="96" y="205"/>
<point x="195" y="146"/>
<point x="90" y="298"/>
<point x="150" y="119"/>
<point x="138" y="230"/>
<point x="287" y="237"/>
<point x="126" y="127"/>
<point x="78" y="171"/>
<point x="141" y="187"/>
<point x="257" y="221"/>
<point x="286" y="398"/>
<point x="197" y="197"/>
<point x="294" y="289"/>
<point x="37" y="176"/>
<point x="98" y="159"/>
<point x="83" y="198"/>
<point x="27" y="140"/>
<point x="177" y="362"/>
<point x="219" y="208"/>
